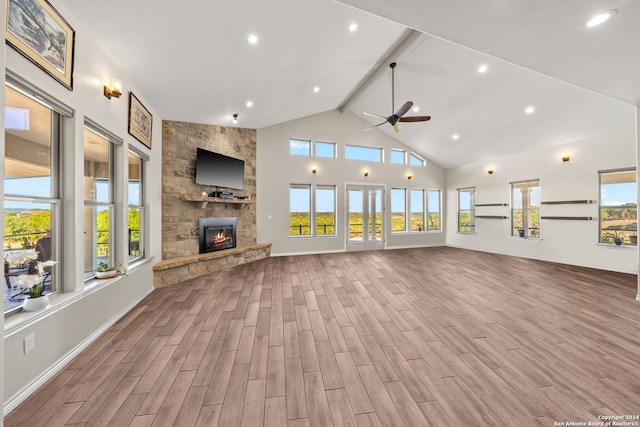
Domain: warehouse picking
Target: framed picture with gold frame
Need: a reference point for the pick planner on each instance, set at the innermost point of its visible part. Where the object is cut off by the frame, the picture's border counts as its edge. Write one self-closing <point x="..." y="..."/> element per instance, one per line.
<point x="36" y="30"/>
<point x="140" y="121"/>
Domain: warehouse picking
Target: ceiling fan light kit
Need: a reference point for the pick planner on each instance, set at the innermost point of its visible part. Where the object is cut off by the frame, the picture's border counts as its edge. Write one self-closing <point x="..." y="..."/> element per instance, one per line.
<point x="398" y="116"/>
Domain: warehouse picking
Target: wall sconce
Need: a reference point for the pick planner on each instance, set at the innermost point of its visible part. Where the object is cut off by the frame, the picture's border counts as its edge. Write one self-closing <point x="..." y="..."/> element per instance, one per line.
<point x="565" y="158"/>
<point x="114" y="91"/>
<point x="410" y="176"/>
<point x="314" y="170"/>
<point x="366" y="173"/>
<point x="235" y="119"/>
<point x="490" y="171"/>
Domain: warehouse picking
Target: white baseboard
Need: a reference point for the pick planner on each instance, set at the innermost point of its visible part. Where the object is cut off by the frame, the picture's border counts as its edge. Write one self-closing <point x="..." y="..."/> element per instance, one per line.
<point x="15" y="400"/>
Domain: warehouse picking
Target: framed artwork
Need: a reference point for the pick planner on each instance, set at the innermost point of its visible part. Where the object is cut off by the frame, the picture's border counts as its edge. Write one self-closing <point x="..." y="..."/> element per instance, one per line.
<point x="36" y="30"/>
<point x="140" y="121"/>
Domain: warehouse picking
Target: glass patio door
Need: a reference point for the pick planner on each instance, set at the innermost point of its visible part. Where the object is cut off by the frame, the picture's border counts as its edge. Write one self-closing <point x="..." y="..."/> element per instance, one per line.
<point x="365" y="217"/>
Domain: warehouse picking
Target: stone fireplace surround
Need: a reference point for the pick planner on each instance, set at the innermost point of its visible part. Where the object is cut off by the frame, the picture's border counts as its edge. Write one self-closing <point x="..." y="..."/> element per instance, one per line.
<point x="180" y="216"/>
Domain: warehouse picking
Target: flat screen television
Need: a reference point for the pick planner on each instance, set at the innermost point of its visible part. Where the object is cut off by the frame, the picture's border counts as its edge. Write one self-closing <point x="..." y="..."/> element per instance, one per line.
<point x="218" y="170"/>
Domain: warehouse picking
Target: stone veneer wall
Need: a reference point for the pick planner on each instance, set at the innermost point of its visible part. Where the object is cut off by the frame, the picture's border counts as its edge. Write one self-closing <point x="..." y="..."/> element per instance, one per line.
<point x="180" y="217"/>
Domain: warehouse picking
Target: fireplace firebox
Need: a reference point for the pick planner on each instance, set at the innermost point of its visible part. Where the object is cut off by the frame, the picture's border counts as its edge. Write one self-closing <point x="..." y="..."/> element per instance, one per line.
<point x="217" y="234"/>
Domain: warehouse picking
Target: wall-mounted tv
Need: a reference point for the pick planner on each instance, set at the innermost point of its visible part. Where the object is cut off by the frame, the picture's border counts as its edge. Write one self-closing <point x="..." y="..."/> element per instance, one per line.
<point x="218" y="170"/>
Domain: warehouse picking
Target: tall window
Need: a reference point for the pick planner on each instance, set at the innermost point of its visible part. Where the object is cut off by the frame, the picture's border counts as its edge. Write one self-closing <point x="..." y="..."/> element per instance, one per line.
<point x="416" y="207"/>
<point x="326" y="149"/>
<point x="99" y="206"/>
<point x="367" y="154"/>
<point x="299" y="147"/>
<point x="325" y="210"/>
<point x="135" y="221"/>
<point x="32" y="205"/>
<point x="299" y="210"/>
<point x="525" y="208"/>
<point x="398" y="157"/>
<point x="467" y="210"/>
<point x="619" y="207"/>
<point x="398" y="209"/>
<point x="433" y="204"/>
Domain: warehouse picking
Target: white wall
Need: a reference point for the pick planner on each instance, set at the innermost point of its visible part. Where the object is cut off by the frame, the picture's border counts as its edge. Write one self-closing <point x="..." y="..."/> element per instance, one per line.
<point x="2" y="102"/>
<point x="77" y="315"/>
<point x="276" y="169"/>
<point x="570" y="242"/>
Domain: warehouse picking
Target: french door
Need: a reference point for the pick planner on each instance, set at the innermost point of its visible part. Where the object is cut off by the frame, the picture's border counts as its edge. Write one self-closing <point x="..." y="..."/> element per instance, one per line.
<point x="365" y="217"/>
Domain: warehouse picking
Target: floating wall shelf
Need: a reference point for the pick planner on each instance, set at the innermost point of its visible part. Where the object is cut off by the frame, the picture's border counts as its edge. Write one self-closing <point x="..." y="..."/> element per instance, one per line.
<point x="491" y="216"/>
<point x="490" y="204"/>
<point x="569" y="218"/>
<point x="206" y="200"/>
<point x="568" y="202"/>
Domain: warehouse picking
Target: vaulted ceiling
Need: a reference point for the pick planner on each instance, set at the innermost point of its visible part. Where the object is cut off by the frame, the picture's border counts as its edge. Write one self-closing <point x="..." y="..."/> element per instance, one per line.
<point x="191" y="61"/>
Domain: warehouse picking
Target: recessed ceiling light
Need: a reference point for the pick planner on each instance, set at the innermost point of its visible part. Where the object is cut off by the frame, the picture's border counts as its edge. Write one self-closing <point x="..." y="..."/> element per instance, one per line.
<point x="253" y="39"/>
<point x="483" y="68"/>
<point x="316" y="89"/>
<point x="601" y="17"/>
<point x="530" y="109"/>
<point x="455" y="136"/>
<point x="416" y="109"/>
<point x="353" y="27"/>
<point x="249" y="104"/>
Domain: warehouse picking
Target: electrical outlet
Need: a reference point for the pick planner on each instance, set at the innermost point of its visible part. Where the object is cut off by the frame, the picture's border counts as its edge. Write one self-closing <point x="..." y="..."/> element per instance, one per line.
<point x="29" y="343"/>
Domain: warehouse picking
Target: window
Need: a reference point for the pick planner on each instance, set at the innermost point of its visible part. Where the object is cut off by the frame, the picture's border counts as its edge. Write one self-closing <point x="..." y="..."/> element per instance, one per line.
<point x="416" y="160"/>
<point x="299" y="210"/>
<point x="325" y="210"/>
<point x="135" y="221"/>
<point x="398" y="209"/>
<point x="416" y="207"/>
<point x="367" y="154"/>
<point x="32" y="208"/>
<point x="98" y="201"/>
<point x="525" y="209"/>
<point x="326" y="149"/>
<point x="618" y="207"/>
<point x="299" y="147"/>
<point x="433" y="204"/>
<point x="398" y="157"/>
<point x="466" y="210"/>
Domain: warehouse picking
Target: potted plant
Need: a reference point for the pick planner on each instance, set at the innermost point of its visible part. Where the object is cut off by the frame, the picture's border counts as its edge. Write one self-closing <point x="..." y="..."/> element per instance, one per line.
<point x="106" y="271"/>
<point x="34" y="285"/>
<point x="612" y="238"/>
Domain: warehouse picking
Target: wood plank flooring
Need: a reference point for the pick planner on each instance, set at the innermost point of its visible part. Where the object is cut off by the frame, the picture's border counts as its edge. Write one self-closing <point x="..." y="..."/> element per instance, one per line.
<point x="415" y="337"/>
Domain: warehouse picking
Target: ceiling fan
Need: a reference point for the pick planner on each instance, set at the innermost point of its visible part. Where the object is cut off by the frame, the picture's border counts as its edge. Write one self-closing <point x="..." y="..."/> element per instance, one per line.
<point x="398" y="116"/>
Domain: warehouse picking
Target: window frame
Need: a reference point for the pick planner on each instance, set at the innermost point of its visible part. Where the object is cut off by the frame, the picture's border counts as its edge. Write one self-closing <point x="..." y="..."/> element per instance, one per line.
<point x="601" y="207"/>
<point x="315" y="210"/>
<point x="113" y="204"/>
<point x="410" y="210"/>
<point x="421" y="160"/>
<point x="141" y="207"/>
<point x="530" y="210"/>
<point x="404" y="213"/>
<point x="439" y="211"/>
<point x="315" y="149"/>
<point x="58" y="113"/>
<point x="402" y="152"/>
<point x="300" y="187"/>
<point x="471" y="210"/>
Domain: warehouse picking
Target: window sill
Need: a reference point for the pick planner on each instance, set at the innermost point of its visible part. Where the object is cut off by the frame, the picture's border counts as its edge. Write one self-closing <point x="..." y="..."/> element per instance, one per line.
<point x="470" y="233"/>
<point x="17" y="321"/>
<point x="614" y="246"/>
<point x="532" y="239"/>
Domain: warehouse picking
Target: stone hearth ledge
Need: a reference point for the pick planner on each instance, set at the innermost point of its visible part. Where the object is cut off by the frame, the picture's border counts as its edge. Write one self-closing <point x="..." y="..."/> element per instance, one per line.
<point x="170" y="271"/>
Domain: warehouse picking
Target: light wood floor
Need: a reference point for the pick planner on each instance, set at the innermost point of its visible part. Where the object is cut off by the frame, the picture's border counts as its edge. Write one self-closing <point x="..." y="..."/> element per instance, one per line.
<point x="424" y="337"/>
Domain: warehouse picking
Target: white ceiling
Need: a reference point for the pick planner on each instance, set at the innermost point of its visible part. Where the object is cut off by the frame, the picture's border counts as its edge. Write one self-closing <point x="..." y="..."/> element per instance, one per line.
<point x="190" y="61"/>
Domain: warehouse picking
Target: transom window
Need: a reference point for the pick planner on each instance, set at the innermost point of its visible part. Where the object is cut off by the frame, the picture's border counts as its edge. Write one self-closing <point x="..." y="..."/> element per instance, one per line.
<point x="367" y="154"/>
<point x="299" y="147"/>
<point x="398" y="157"/>
<point x="325" y="149"/>
<point x="415" y="160"/>
<point x="618" y="207"/>
<point x="525" y="209"/>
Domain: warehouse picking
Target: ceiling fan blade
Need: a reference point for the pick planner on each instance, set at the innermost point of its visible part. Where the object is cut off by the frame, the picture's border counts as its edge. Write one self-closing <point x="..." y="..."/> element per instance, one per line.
<point x="414" y="119"/>
<point x="373" y="127"/>
<point x="374" y="115"/>
<point x="403" y="110"/>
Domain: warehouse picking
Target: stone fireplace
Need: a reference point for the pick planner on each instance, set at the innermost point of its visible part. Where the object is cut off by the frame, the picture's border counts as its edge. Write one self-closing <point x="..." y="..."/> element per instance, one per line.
<point x="217" y="234"/>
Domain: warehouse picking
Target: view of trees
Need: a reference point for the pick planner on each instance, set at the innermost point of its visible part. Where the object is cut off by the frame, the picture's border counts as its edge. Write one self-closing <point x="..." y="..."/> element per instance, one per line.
<point x="619" y="222"/>
<point x="300" y="224"/>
